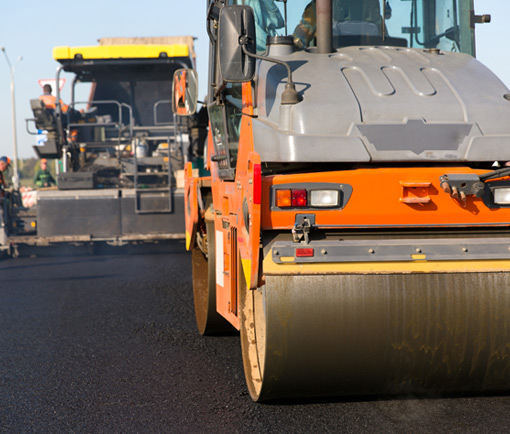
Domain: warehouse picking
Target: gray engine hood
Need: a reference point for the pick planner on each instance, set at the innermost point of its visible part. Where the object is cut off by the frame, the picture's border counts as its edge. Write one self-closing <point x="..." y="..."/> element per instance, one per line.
<point x="363" y="104"/>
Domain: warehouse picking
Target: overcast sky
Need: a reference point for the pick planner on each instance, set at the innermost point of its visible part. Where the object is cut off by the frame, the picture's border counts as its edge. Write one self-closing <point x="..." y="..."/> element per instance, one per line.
<point x="32" y="28"/>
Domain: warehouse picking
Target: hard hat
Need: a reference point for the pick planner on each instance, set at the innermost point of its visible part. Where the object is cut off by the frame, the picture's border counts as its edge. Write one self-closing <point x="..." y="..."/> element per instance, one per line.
<point x="6" y="160"/>
<point x="44" y="160"/>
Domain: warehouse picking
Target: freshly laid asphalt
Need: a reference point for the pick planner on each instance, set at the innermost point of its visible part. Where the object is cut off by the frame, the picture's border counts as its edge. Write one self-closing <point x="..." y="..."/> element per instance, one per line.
<point x="105" y="342"/>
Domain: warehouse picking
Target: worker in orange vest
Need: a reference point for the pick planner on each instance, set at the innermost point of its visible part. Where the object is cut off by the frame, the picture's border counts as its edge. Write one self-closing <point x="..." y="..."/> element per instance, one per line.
<point x="50" y="101"/>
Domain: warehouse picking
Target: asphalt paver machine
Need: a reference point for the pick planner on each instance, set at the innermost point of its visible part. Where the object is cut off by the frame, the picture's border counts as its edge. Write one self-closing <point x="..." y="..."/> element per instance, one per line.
<point x="120" y="146"/>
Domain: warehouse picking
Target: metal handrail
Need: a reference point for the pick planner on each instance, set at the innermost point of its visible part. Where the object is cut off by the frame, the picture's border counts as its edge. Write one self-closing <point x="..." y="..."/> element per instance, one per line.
<point x="119" y="125"/>
<point x="155" y="111"/>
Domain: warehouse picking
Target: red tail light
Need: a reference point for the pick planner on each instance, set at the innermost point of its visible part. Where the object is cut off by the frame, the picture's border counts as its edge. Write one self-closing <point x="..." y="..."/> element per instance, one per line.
<point x="299" y="198"/>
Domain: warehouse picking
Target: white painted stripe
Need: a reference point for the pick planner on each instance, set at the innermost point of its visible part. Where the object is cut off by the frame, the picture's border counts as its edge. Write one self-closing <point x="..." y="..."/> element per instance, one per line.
<point x="220" y="258"/>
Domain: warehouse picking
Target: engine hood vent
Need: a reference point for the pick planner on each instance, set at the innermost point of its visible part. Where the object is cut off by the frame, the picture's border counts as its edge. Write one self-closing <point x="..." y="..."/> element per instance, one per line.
<point x="416" y="137"/>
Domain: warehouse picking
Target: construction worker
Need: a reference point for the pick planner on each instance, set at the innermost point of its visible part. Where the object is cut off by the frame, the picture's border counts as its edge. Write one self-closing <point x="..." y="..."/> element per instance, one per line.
<point x="43" y="176"/>
<point x="356" y="11"/>
<point x="5" y="162"/>
<point x="50" y="101"/>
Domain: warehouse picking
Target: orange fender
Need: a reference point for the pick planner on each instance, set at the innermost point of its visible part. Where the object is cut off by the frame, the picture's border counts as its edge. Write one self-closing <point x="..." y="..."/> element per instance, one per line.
<point x="249" y="235"/>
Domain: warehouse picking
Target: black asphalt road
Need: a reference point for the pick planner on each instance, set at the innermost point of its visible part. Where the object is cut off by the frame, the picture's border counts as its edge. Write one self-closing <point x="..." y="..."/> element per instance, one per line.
<point x="106" y="343"/>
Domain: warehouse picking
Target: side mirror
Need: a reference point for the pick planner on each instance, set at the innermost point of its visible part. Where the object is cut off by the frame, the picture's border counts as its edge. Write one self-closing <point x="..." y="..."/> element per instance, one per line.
<point x="185" y="92"/>
<point x="236" y="25"/>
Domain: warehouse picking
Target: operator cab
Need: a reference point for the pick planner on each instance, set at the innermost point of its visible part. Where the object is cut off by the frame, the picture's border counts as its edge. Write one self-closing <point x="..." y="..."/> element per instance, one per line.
<point x="447" y="25"/>
<point x="125" y="98"/>
<point x="119" y="127"/>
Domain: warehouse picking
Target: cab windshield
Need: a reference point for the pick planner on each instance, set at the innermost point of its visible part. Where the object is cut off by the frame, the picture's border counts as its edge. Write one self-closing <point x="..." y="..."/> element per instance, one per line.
<point x="443" y="24"/>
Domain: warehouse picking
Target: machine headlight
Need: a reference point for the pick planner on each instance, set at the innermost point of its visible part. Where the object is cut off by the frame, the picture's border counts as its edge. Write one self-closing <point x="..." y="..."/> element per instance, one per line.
<point x="502" y="196"/>
<point x="324" y="198"/>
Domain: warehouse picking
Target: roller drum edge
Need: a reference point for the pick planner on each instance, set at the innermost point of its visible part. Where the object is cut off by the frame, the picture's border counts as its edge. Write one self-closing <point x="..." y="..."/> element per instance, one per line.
<point x="339" y="335"/>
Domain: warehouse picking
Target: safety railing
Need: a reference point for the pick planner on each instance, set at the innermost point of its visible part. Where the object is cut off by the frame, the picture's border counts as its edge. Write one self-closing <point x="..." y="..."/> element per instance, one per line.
<point x="95" y="125"/>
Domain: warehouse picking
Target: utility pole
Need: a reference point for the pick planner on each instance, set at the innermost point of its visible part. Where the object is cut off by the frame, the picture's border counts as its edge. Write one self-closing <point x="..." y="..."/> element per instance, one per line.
<point x="15" y="177"/>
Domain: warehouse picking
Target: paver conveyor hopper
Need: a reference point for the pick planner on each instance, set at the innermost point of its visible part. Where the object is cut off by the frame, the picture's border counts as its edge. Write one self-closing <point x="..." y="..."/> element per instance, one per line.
<point x="355" y="226"/>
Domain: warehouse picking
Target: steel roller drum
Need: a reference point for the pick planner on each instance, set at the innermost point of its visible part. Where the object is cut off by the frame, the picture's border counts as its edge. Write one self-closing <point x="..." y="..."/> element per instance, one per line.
<point x="309" y="335"/>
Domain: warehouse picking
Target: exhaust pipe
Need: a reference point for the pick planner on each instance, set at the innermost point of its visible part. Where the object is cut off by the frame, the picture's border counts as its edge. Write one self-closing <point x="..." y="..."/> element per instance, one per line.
<point x="324" y="26"/>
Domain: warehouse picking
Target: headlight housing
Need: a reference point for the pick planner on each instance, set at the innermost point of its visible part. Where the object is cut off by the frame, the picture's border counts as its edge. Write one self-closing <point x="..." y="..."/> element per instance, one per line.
<point x="502" y="195"/>
<point x="324" y="198"/>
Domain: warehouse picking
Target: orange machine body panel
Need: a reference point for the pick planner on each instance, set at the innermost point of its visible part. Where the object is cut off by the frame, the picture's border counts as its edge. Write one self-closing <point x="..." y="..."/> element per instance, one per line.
<point x="237" y="219"/>
<point x="384" y="198"/>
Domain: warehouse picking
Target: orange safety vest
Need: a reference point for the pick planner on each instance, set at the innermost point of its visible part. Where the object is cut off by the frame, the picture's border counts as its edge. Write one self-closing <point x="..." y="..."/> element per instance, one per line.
<point x="50" y="102"/>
